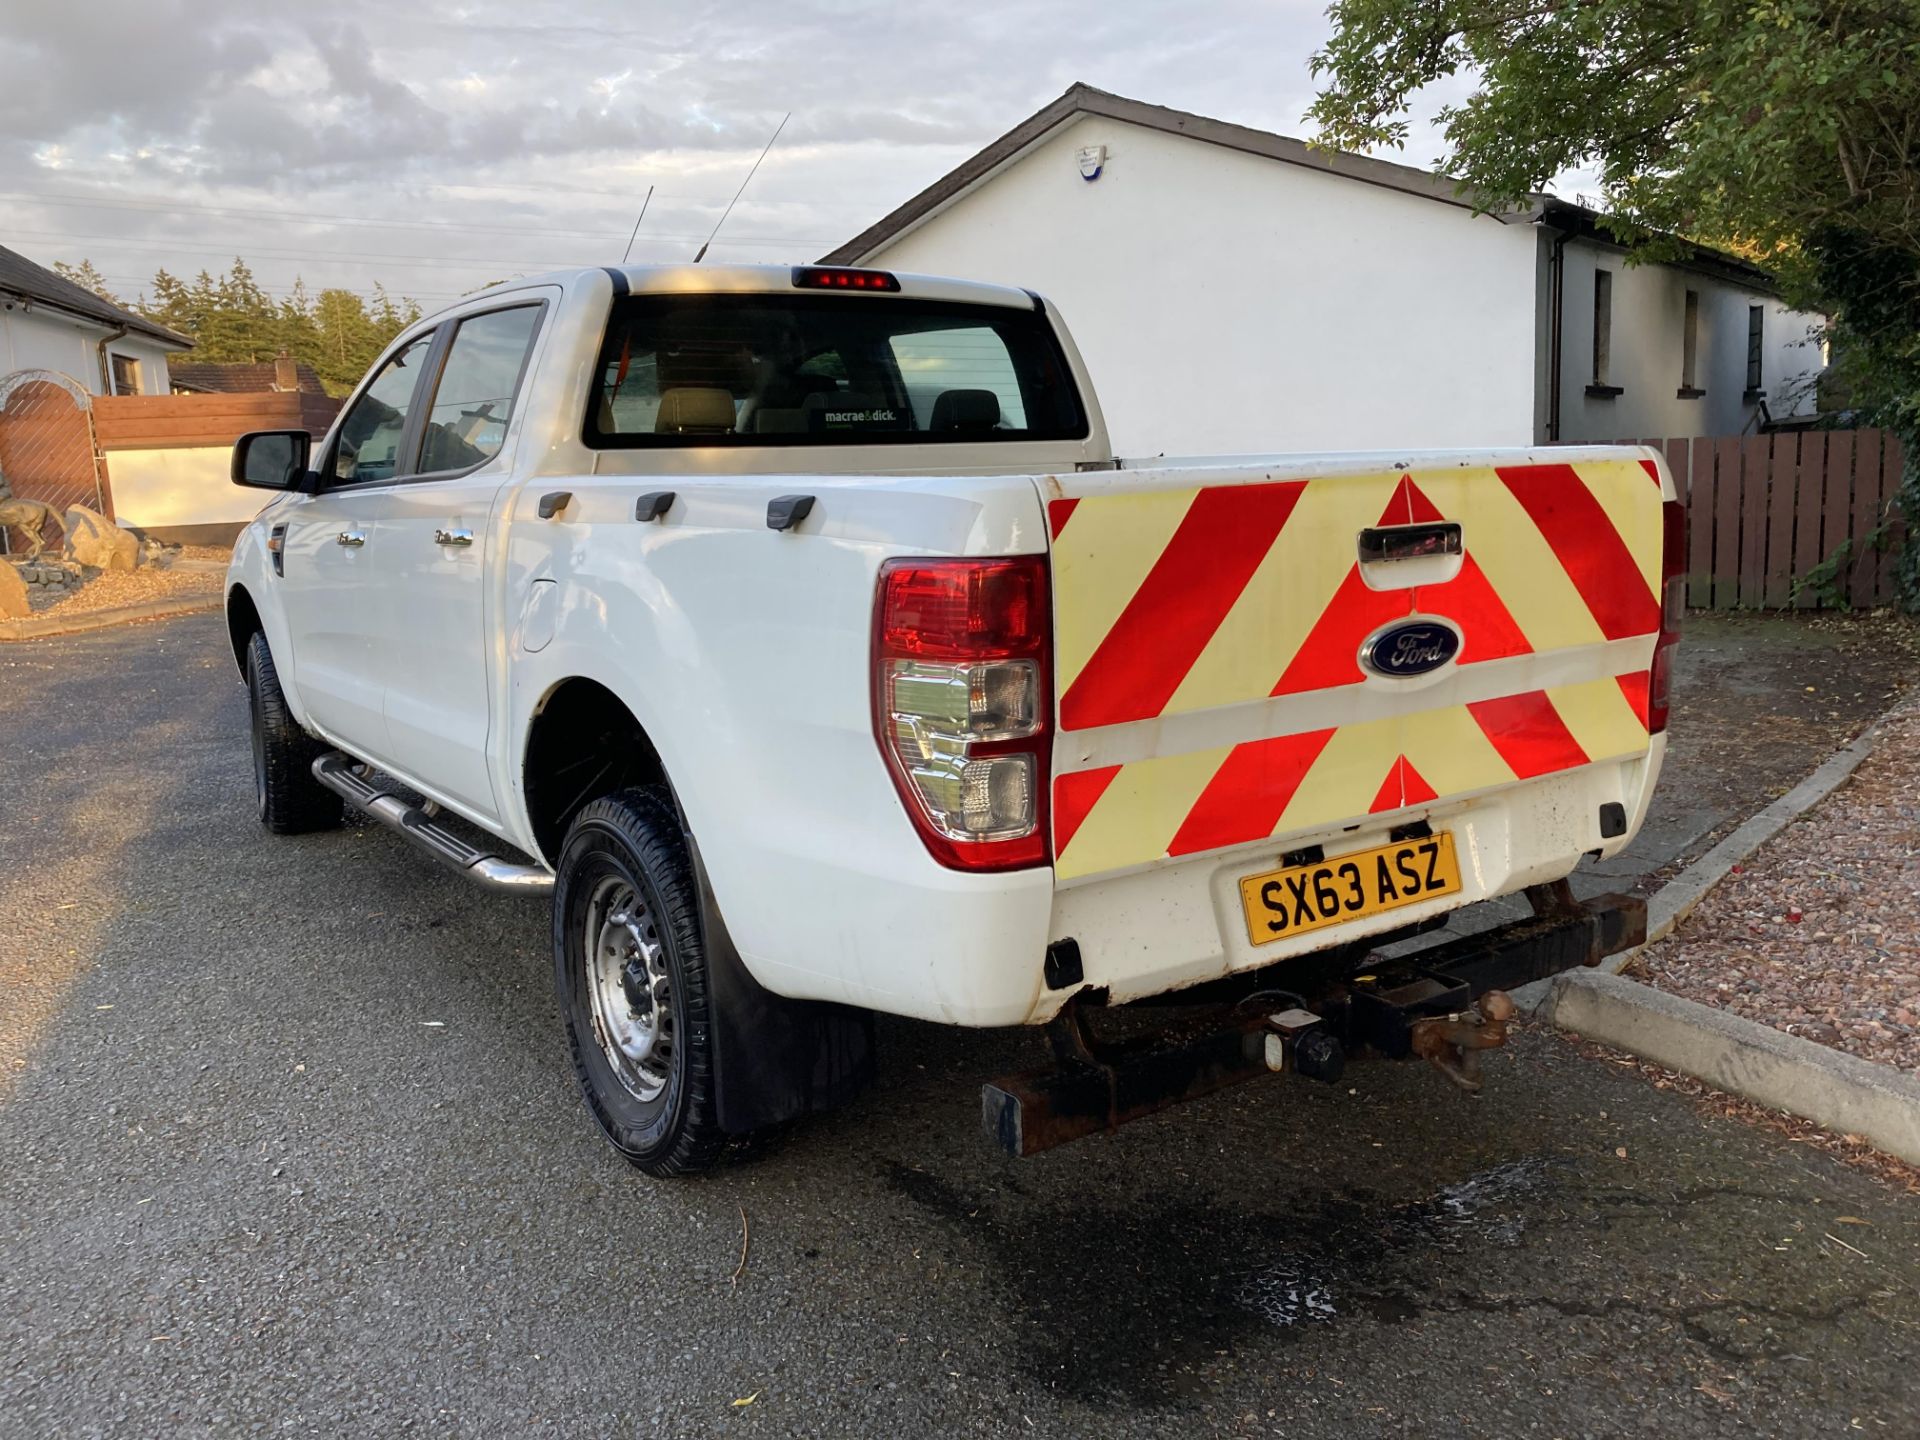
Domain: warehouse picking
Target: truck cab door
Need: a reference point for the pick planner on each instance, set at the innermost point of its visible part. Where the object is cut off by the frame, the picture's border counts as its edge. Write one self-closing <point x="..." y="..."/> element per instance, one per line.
<point x="435" y="534"/>
<point x="334" y="619"/>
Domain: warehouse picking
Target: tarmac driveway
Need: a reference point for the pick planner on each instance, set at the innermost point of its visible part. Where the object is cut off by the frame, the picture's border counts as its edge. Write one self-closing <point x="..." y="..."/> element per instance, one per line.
<point x="288" y="1145"/>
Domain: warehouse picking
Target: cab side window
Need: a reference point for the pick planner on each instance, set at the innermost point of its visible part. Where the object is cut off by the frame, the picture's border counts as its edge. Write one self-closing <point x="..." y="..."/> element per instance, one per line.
<point x="474" y="396"/>
<point x="370" y="436"/>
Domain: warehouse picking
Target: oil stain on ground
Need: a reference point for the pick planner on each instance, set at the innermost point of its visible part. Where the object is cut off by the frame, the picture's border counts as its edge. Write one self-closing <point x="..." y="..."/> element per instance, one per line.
<point x="1127" y="1306"/>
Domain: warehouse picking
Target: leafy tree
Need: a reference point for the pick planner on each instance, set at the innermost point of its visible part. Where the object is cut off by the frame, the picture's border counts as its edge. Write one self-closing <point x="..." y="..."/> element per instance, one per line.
<point x="1788" y="130"/>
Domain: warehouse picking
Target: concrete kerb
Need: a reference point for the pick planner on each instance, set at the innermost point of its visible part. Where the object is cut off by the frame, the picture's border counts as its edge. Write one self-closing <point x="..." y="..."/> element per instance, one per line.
<point x="37" y="627"/>
<point x="1835" y="1090"/>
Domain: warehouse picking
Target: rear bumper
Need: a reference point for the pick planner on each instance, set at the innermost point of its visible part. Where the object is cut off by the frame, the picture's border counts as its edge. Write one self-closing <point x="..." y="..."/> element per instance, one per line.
<point x="1179" y="924"/>
<point x="1381" y="1010"/>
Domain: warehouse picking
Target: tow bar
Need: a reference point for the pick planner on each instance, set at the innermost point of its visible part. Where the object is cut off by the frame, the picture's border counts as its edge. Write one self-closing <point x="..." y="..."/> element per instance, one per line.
<point x="1444" y="1005"/>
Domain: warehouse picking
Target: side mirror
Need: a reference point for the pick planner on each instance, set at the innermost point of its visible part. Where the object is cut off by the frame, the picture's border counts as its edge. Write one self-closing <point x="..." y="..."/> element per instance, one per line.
<point x="272" y="459"/>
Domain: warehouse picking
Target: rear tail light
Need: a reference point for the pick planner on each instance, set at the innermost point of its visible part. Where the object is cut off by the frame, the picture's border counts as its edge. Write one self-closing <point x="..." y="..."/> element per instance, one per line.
<point x="1673" y="610"/>
<point x="961" y="705"/>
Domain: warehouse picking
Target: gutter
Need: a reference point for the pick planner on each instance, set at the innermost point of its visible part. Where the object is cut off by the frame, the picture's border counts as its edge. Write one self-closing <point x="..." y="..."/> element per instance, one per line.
<point x="106" y="366"/>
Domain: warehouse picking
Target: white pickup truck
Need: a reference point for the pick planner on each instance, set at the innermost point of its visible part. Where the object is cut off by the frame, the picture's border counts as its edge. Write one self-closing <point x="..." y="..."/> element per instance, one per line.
<point x="797" y="632"/>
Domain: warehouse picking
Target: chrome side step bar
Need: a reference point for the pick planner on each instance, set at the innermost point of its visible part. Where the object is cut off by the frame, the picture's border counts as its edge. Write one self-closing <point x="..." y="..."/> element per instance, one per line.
<point x="344" y="775"/>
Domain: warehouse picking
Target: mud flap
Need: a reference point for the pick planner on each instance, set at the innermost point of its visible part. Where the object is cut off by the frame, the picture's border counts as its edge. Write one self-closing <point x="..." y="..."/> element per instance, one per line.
<point x="774" y="1059"/>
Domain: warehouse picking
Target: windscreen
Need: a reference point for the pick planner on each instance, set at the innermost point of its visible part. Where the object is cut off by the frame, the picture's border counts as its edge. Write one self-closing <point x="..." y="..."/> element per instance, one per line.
<point x="693" y="370"/>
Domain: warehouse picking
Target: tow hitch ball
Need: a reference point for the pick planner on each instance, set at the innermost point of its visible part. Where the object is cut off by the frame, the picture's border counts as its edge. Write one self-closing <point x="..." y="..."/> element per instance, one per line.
<point x="1452" y="1043"/>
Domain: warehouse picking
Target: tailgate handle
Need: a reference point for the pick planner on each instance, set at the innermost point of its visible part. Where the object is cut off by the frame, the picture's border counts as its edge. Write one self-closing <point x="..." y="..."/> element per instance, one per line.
<point x="1409" y="542"/>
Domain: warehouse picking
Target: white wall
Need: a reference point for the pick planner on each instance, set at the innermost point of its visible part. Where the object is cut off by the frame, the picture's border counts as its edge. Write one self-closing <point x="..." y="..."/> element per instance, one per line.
<point x="1229" y="303"/>
<point x="162" y="489"/>
<point x="34" y="337"/>
<point x="1649" y="306"/>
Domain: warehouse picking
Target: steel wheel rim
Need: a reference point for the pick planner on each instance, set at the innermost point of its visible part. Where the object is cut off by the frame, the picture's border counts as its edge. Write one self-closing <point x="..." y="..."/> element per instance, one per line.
<point x="627" y="987"/>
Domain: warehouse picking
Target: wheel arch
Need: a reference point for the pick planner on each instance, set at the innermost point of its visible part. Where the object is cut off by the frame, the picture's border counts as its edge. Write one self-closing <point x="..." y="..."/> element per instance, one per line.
<point x="583" y="742"/>
<point x="243" y="619"/>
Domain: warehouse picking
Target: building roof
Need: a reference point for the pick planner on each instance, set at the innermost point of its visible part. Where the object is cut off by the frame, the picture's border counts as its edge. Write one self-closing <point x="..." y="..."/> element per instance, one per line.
<point x="1081" y="99"/>
<point x="240" y="377"/>
<point x="20" y="276"/>
<point x="1584" y="222"/>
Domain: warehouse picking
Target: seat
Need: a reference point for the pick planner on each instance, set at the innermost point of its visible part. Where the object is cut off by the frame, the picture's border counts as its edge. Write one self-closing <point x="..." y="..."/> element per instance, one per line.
<point x="965" y="410"/>
<point x="695" y="410"/>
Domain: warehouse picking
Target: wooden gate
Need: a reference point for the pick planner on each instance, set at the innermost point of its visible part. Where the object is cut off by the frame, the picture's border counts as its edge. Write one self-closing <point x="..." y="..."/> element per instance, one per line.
<point x="47" y="449"/>
<point x="1763" y="511"/>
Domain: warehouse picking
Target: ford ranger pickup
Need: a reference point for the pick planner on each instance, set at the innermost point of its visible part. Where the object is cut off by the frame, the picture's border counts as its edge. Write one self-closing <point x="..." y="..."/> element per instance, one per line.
<point x="797" y="635"/>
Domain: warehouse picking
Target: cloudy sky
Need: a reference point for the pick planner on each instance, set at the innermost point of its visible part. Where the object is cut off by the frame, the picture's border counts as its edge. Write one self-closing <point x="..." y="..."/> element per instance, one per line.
<point x="436" y="146"/>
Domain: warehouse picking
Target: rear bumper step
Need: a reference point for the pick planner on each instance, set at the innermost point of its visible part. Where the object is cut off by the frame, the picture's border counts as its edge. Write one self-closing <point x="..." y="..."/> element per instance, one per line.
<point x="1428" y="1004"/>
<point x="341" y="774"/>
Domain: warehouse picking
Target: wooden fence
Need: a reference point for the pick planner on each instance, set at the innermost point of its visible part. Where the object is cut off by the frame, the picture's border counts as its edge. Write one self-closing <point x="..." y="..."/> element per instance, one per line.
<point x="187" y="422"/>
<point x="1764" y="510"/>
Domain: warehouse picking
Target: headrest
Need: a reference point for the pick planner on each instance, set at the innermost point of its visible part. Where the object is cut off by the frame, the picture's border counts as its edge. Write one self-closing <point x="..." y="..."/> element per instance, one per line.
<point x="695" y="410"/>
<point x="966" y="410"/>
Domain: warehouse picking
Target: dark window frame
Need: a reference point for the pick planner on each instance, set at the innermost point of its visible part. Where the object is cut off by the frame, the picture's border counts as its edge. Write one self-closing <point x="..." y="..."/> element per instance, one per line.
<point x="413" y="434"/>
<point x="1080" y="427"/>
<point x="1602" y="327"/>
<point x="114" y="361"/>
<point x="1690" y="348"/>
<point x="436" y="368"/>
<point x="1756" y="351"/>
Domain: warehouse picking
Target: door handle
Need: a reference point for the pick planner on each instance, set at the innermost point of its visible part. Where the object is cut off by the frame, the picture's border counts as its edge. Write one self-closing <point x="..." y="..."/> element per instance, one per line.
<point x="355" y="538"/>
<point x="453" y="537"/>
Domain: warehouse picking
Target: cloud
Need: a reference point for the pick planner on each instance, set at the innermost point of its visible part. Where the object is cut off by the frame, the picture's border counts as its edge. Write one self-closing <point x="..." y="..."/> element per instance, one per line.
<point x="437" y="144"/>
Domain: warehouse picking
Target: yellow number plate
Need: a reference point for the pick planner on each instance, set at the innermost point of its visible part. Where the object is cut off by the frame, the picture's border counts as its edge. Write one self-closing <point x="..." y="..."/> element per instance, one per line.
<point x="1300" y="898"/>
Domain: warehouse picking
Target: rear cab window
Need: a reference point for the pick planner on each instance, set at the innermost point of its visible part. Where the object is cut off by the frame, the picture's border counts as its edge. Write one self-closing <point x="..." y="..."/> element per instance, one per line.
<point x="803" y="369"/>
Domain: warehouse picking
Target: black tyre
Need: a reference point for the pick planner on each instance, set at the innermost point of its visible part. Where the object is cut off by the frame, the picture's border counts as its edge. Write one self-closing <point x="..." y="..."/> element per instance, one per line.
<point x="291" y="801"/>
<point x="632" y="979"/>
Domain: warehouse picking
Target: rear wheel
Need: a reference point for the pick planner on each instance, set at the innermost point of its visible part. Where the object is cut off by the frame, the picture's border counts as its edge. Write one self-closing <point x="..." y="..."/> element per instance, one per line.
<point x="289" y="799"/>
<point x="631" y="974"/>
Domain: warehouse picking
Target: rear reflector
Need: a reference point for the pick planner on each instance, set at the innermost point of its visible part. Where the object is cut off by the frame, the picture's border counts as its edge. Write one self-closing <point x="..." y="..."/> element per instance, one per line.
<point x="838" y="277"/>
<point x="961" y="708"/>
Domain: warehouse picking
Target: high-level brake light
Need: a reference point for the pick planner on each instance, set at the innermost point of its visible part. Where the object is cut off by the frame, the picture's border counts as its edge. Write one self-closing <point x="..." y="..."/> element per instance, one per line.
<point x="839" y="277"/>
<point x="961" y="706"/>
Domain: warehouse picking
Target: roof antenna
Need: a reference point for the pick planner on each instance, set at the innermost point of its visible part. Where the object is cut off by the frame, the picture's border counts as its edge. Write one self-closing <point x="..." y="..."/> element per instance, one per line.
<point x="743" y="187"/>
<point x="636" y="225"/>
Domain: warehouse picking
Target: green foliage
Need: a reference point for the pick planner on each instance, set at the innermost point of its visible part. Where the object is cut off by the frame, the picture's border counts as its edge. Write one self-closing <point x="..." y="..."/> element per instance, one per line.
<point x="87" y="278"/>
<point x="1787" y="130"/>
<point x="231" y="318"/>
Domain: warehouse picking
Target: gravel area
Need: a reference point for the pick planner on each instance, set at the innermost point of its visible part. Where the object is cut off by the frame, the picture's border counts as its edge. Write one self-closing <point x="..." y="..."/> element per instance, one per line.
<point x="185" y="573"/>
<point x="1818" y="933"/>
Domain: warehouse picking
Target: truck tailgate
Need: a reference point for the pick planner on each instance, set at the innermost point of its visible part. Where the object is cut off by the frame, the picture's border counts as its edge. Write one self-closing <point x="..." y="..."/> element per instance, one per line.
<point x="1210" y="625"/>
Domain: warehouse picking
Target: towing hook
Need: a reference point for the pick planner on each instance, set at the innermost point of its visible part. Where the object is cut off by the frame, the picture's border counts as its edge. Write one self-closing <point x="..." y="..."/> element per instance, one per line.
<point x="1452" y="1043"/>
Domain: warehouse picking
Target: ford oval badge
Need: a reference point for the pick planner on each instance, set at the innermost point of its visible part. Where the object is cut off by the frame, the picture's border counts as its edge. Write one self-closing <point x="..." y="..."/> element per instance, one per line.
<point x="1409" y="647"/>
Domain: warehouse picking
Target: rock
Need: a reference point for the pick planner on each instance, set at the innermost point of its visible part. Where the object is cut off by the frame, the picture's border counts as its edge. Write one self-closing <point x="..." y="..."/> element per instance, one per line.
<point x="13" y="593"/>
<point x="92" y="539"/>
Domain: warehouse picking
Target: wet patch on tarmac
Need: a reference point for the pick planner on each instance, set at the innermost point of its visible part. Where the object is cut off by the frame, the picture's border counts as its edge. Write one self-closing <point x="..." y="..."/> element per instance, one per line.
<point x="1134" y="1306"/>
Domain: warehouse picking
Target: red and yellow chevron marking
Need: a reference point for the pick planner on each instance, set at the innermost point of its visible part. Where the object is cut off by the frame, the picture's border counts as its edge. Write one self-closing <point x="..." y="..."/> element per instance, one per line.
<point x="1177" y="601"/>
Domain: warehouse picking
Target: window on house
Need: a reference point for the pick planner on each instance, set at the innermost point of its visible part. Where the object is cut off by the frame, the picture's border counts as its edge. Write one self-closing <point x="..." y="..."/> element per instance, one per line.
<point x="1756" y="331"/>
<point x="1602" y="325"/>
<point x="126" y="374"/>
<point x="1690" y="344"/>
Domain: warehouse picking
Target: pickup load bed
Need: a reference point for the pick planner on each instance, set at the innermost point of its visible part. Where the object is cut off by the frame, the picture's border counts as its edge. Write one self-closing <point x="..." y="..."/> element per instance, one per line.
<point x="797" y="631"/>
